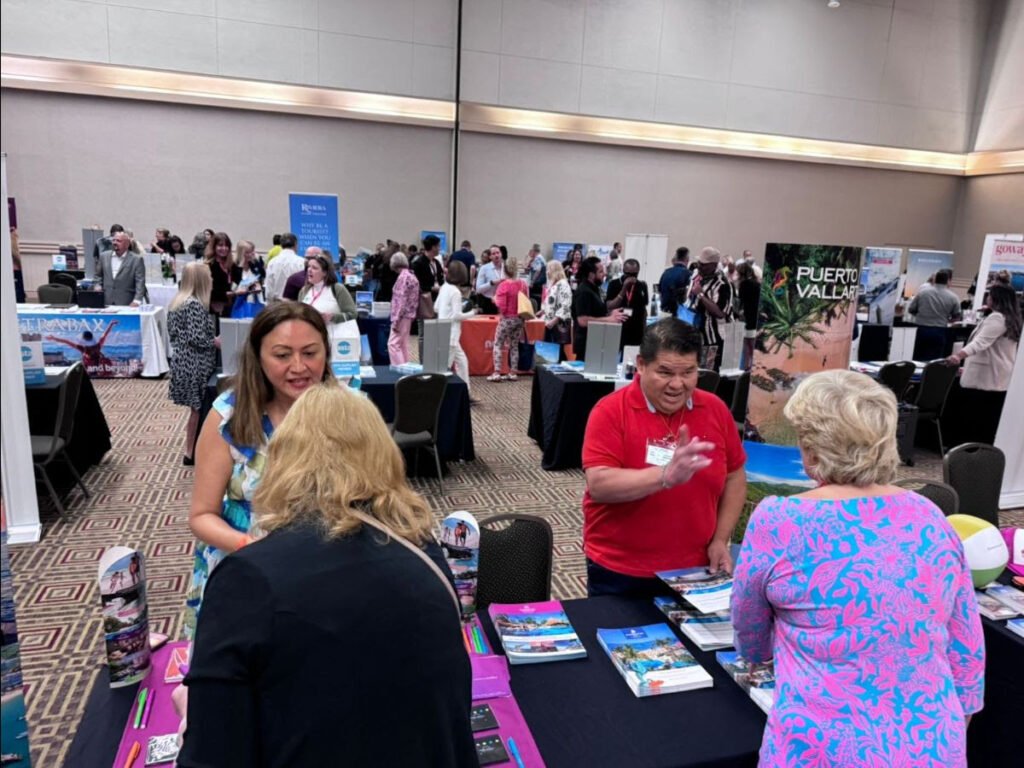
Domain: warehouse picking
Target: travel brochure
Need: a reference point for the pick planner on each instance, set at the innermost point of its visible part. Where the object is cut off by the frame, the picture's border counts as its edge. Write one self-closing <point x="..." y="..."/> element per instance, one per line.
<point x="1008" y="596"/>
<point x="710" y="631"/>
<point x="125" y="618"/>
<point x="707" y="592"/>
<point x="991" y="608"/>
<point x="536" y="632"/>
<point x="652" y="660"/>
<point x="1016" y="626"/>
<point x="758" y="680"/>
<point x="460" y="540"/>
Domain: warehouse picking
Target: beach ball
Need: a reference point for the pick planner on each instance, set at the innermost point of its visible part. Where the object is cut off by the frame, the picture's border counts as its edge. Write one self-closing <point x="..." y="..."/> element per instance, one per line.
<point x="984" y="546"/>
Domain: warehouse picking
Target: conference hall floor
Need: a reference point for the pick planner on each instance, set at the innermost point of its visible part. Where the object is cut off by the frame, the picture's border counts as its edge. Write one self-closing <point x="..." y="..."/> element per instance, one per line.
<point x="140" y="498"/>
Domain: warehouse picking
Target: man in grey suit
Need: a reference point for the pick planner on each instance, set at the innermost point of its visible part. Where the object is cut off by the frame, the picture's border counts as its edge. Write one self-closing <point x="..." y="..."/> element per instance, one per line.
<point x="122" y="273"/>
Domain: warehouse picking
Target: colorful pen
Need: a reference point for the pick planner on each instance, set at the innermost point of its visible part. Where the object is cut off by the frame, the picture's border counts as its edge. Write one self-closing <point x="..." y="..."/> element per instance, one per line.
<point x="515" y="753"/>
<point x="143" y="695"/>
<point x="477" y="640"/>
<point x="465" y="639"/>
<point x="132" y="754"/>
<point x="149" y="706"/>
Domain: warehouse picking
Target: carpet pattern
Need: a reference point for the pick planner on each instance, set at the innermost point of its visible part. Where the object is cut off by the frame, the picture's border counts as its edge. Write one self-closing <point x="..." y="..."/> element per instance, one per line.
<point x="140" y="498"/>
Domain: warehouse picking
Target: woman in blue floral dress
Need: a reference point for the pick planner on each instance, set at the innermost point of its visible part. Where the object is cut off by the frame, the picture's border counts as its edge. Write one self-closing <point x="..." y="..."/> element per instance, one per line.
<point x="287" y="352"/>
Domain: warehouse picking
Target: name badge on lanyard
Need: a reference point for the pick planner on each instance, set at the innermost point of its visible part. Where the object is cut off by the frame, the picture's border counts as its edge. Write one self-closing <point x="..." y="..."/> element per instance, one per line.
<point x="659" y="452"/>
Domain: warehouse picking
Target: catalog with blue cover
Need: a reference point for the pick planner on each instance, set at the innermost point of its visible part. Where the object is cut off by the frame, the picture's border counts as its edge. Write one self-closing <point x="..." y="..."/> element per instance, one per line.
<point x="652" y="660"/>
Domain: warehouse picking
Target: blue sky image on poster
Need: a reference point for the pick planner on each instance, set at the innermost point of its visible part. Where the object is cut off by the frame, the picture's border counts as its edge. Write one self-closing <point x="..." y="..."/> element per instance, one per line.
<point x="314" y="220"/>
<point x="107" y="344"/>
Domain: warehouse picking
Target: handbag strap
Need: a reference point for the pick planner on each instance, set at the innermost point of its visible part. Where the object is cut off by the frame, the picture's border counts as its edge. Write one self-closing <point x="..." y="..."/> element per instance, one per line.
<point x="416" y="551"/>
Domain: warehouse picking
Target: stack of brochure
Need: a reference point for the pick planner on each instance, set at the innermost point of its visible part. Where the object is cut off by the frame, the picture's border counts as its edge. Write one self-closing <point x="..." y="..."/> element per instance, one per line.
<point x="707" y="592"/>
<point x="1016" y="626"/>
<point x="652" y="660"/>
<point x="1008" y="596"/>
<point x="710" y="631"/>
<point x="535" y="632"/>
<point x="991" y="608"/>
<point x="758" y="681"/>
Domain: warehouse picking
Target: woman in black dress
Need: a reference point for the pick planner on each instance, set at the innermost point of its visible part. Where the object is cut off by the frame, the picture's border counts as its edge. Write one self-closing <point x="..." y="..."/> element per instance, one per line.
<point x="190" y="328"/>
<point x="336" y="638"/>
<point x="224" y="273"/>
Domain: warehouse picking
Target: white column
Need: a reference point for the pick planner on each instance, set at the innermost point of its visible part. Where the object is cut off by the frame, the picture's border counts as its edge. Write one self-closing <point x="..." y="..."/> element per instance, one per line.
<point x="19" y="483"/>
<point x="1008" y="438"/>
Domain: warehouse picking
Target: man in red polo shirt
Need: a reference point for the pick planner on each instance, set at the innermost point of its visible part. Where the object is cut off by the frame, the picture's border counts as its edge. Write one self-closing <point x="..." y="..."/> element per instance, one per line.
<point x="664" y="466"/>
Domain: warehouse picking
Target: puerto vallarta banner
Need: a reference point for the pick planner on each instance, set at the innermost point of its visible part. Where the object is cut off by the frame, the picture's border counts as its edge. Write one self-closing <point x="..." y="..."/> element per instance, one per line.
<point x="314" y="220"/>
<point x="108" y="344"/>
<point x="879" y="280"/>
<point x="805" y="325"/>
<point x="921" y="265"/>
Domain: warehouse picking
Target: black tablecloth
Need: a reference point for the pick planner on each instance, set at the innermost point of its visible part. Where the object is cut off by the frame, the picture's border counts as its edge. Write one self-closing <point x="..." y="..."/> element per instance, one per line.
<point x="583" y="713"/>
<point x="455" y="437"/>
<point x="90" y="437"/>
<point x="376" y="330"/>
<point x="560" y="405"/>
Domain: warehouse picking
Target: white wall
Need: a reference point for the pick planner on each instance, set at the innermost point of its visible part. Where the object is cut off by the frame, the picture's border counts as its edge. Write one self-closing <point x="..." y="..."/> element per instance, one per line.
<point x="1000" y="105"/>
<point x="893" y="72"/>
<point x="520" y="190"/>
<point x="75" y="161"/>
<point x="387" y="46"/>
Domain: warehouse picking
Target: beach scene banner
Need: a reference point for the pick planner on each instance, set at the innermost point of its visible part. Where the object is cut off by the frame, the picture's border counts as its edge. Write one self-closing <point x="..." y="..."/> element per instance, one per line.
<point x="921" y="266"/>
<point x="805" y="325"/>
<point x="879" y="280"/>
<point x="772" y="470"/>
<point x="122" y="579"/>
<point x="108" y="344"/>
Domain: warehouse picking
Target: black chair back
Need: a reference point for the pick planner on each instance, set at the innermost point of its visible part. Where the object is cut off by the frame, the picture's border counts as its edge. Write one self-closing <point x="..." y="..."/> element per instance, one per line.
<point x="936" y="379"/>
<point x="516" y="553"/>
<point x="941" y="495"/>
<point x="65" y="278"/>
<point x="739" y="398"/>
<point x="708" y="380"/>
<point x="975" y="470"/>
<point x="54" y="293"/>
<point x="67" y="405"/>
<point x="896" y="376"/>
<point x="418" y="403"/>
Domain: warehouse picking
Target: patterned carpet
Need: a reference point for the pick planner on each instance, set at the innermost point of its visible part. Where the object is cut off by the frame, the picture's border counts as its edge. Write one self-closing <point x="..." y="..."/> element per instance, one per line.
<point x="140" y="499"/>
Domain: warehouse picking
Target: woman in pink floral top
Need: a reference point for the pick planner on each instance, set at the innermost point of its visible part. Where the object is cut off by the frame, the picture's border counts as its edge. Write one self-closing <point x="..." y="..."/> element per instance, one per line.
<point x="405" y="300"/>
<point x="861" y="592"/>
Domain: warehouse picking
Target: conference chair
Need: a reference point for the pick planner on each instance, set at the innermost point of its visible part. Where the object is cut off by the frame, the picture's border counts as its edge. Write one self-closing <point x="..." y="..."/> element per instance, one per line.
<point x="418" y="401"/>
<point x="708" y="380"/>
<point x="55" y="293"/>
<point x="942" y="495"/>
<point x="48" y="448"/>
<point x="897" y="376"/>
<point x="65" y="278"/>
<point x="516" y="554"/>
<point x="739" y="400"/>
<point x="936" y="379"/>
<point x="975" y="470"/>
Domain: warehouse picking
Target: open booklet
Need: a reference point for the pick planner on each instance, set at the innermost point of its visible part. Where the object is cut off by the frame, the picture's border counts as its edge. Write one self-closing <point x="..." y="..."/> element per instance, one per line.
<point x="707" y="592"/>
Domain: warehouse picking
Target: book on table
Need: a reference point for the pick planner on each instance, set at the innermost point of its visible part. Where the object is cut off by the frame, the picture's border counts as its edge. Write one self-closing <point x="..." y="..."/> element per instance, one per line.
<point x="707" y="592"/>
<point x="1016" y="626"/>
<point x="991" y="608"/>
<point x="532" y="633"/>
<point x="1008" y="596"/>
<point x="758" y="680"/>
<point x="710" y="631"/>
<point x="652" y="660"/>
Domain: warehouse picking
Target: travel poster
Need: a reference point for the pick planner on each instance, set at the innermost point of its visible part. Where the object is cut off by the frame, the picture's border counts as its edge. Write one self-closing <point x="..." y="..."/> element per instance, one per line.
<point x="559" y="251"/>
<point x="314" y="220"/>
<point x="772" y="470"/>
<point x="807" y="312"/>
<point x="108" y="343"/>
<point x="13" y="725"/>
<point x="922" y="265"/>
<point x="460" y="540"/>
<point x="442" y="236"/>
<point x="122" y="579"/>
<point x="1007" y="256"/>
<point x="879" y="283"/>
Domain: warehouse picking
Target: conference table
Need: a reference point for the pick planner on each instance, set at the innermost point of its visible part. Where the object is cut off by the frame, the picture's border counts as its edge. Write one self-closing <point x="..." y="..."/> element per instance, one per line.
<point x="560" y="404"/>
<point x="477" y="342"/>
<point x="90" y="436"/>
<point x="376" y="330"/>
<point x="120" y="342"/>
<point x="582" y="712"/>
<point x="455" y="425"/>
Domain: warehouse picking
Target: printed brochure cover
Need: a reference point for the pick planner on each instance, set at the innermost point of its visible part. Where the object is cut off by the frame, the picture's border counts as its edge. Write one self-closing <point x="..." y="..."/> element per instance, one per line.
<point x="758" y="680"/>
<point x="652" y="660"/>
<point x="710" y="631"/>
<point x="536" y="632"/>
<point x="707" y="592"/>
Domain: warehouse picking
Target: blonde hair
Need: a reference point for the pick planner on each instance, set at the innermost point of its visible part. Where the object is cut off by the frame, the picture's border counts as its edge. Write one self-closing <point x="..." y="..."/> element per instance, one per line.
<point x="555" y="271"/>
<point x="195" y="281"/>
<point x="511" y="267"/>
<point x="240" y="250"/>
<point x="331" y="456"/>
<point x="847" y="422"/>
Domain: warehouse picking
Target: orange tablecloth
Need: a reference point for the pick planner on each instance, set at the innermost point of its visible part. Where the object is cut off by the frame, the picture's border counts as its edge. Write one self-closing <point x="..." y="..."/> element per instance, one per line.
<point x="478" y="341"/>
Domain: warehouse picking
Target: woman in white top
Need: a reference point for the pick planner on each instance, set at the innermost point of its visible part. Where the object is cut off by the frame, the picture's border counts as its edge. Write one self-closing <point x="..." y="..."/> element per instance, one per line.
<point x="449" y="307"/>
<point x="557" y="309"/>
<point x="988" y="359"/>
<point x="324" y="293"/>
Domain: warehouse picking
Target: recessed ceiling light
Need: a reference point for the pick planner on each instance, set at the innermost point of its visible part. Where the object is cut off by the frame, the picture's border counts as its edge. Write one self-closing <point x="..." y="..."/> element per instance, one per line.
<point x="833" y="3"/>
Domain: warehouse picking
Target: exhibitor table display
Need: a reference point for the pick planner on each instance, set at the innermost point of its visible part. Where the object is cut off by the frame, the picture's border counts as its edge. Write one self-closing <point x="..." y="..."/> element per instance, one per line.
<point x="112" y="343"/>
<point x="478" y="337"/>
<point x="560" y="404"/>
